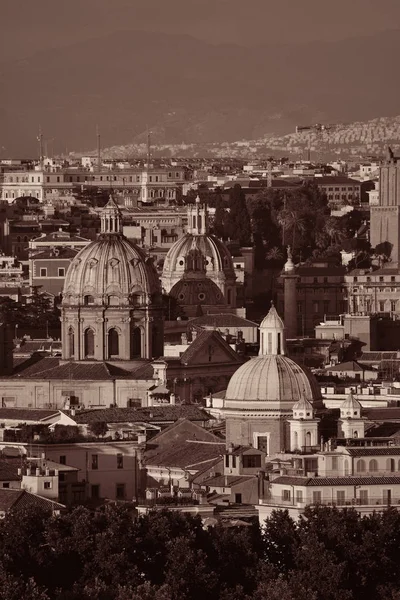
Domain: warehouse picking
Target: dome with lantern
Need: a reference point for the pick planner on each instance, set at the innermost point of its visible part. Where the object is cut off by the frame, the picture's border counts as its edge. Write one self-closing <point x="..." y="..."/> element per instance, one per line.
<point x="271" y="380"/>
<point x="110" y="270"/>
<point x="201" y="252"/>
<point x="112" y="306"/>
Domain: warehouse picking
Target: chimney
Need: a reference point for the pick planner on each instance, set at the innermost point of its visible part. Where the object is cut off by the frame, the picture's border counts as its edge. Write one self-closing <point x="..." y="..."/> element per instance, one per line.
<point x="37" y="472"/>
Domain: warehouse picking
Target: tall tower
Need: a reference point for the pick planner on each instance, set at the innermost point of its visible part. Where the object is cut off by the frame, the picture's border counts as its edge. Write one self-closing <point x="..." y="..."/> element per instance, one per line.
<point x="385" y="218"/>
<point x="290" y="279"/>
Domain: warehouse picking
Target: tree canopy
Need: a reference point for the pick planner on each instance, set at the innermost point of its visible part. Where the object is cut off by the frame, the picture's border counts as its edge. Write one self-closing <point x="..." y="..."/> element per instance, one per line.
<point x="109" y="554"/>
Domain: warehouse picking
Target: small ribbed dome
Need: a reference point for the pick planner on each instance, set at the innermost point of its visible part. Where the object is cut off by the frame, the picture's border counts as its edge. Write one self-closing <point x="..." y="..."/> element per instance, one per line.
<point x="303" y="405"/>
<point x="110" y="270"/>
<point x="270" y="381"/>
<point x="351" y="407"/>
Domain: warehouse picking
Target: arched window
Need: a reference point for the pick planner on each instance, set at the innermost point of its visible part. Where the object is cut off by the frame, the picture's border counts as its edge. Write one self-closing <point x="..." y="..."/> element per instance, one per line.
<point x="355" y="434"/>
<point x="113" y="343"/>
<point x="308" y="438"/>
<point x="89" y="343"/>
<point x="88" y="300"/>
<point x="373" y="466"/>
<point x="346" y="467"/>
<point x="136" y="343"/>
<point x="71" y="343"/>
<point x="390" y="465"/>
<point x="360" y="467"/>
<point x="296" y="441"/>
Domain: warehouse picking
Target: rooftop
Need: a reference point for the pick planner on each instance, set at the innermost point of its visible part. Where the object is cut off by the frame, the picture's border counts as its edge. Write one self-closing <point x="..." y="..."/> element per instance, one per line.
<point x="152" y="414"/>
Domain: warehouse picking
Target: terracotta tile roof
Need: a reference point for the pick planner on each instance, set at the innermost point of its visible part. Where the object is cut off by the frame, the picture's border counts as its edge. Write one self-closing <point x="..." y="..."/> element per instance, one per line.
<point x="185" y="445"/>
<point x="384" y="430"/>
<point x="35" y="366"/>
<point x="152" y="414"/>
<point x="350" y="365"/>
<point x="382" y="414"/>
<point x="331" y="481"/>
<point x="26" y="414"/>
<point x="9" y="468"/>
<point x="51" y="368"/>
<point x="377" y="451"/>
<point x="204" y="337"/>
<point x="16" y="499"/>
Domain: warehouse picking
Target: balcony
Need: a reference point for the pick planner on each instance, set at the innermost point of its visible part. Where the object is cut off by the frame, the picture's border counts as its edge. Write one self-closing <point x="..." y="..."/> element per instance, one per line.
<point x="378" y="502"/>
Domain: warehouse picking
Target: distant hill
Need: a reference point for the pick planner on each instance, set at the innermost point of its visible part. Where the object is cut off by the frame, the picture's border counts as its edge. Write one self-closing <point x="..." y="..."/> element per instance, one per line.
<point x="359" y="139"/>
<point x="187" y="91"/>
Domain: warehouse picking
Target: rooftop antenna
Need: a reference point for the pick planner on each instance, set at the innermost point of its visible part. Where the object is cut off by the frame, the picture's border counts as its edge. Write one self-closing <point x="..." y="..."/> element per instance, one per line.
<point x="148" y="147"/>
<point x="40" y="140"/>
<point x="98" y="149"/>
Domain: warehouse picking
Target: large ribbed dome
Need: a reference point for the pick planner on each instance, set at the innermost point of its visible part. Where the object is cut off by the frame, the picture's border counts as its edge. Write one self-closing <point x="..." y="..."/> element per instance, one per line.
<point x="110" y="270"/>
<point x="198" y="251"/>
<point x="271" y="380"/>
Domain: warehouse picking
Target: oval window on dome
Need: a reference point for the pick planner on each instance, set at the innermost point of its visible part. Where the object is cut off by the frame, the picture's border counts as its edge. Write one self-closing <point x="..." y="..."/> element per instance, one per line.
<point x="218" y="296"/>
<point x="201" y="296"/>
<point x="199" y="285"/>
<point x="181" y="296"/>
<point x="181" y="263"/>
<point x="113" y="301"/>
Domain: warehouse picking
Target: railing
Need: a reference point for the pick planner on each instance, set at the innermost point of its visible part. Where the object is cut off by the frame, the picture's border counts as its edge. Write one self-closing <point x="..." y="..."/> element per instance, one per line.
<point x="347" y="502"/>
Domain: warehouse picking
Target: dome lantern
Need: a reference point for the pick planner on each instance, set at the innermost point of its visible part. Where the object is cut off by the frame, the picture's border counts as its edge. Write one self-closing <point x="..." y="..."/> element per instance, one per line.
<point x="111" y="221"/>
<point x="272" y="334"/>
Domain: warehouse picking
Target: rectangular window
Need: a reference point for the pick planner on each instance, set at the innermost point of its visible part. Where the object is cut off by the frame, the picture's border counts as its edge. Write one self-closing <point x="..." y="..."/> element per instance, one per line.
<point x="381" y="306"/>
<point x="43" y="272"/>
<point x="340" y="497"/>
<point x="299" y="495"/>
<point x="95" y="491"/>
<point x="6" y="485"/>
<point x="393" y="305"/>
<point x="120" y="461"/>
<point x="234" y="462"/>
<point x="251" y="461"/>
<point x="226" y="460"/>
<point x="95" y="461"/>
<point x="47" y="485"/>
<point x="316" y="497"/>
<point x="120" y="491"/>
<point x="61" y="272"/>
<point x="316" y="306"/>
<point x="286" y="495"/>
<point x="363" y="496"/>
<point x="62" y="460"/>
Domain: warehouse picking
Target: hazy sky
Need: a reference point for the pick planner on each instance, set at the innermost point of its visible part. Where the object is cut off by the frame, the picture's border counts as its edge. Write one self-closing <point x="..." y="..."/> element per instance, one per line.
<point x="27" y="26"/>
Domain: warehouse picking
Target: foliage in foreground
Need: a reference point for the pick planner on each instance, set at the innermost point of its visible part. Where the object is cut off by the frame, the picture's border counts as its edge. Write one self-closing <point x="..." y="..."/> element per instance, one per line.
<point x="108" y="555"/>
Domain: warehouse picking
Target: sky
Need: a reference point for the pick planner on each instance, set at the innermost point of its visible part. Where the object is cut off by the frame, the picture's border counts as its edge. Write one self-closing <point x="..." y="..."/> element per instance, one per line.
<point x="28" y="26"/>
